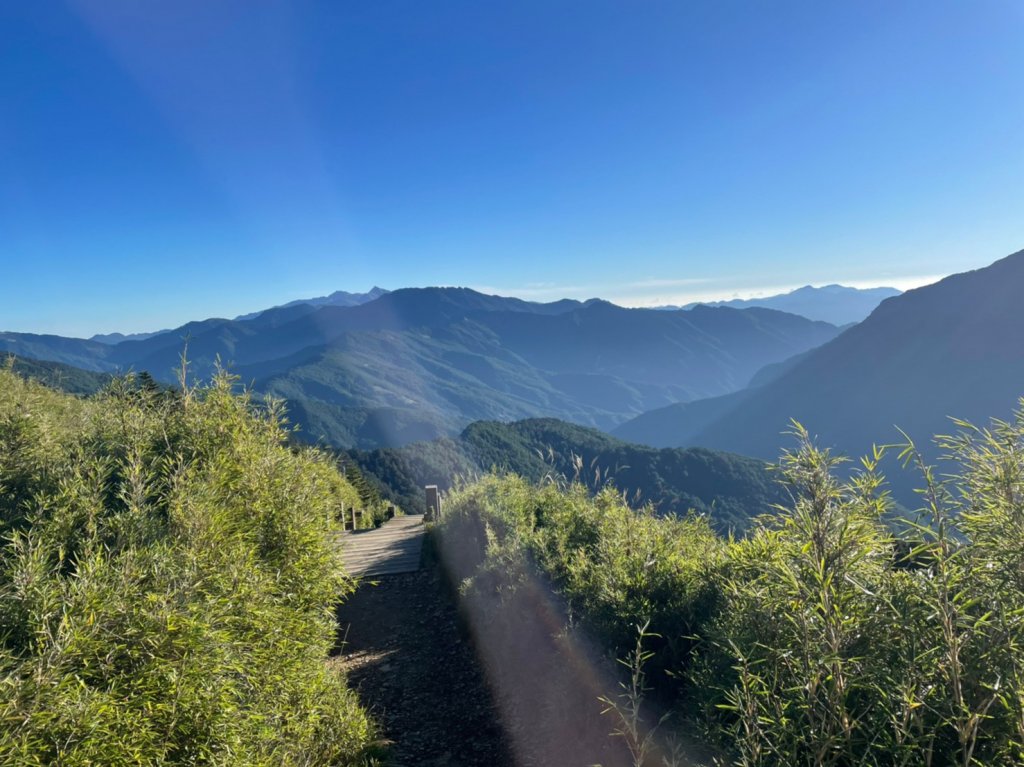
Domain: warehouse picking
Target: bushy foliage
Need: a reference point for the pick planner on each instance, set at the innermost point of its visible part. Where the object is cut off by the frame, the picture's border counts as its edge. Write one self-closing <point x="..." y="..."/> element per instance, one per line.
<point x="363" y="495"/>
<point x="821" y="638"/>
<point x="616" y="567"/>
<point x="167" y="580"/>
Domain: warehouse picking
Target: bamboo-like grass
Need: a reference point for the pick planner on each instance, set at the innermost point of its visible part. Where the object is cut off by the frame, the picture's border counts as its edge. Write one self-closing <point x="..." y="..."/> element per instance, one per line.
<point x="167" y="583"/>
<point x="824" y="637"/>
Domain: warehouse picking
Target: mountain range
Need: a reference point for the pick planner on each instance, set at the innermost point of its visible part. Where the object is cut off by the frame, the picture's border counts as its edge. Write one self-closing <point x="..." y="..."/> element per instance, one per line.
<point x="116" y="338"/>
<point x="337" y="298"/>
<point x="417" y="363"/>
<point x="837" y="304"/>
<point x="950" y="349"/>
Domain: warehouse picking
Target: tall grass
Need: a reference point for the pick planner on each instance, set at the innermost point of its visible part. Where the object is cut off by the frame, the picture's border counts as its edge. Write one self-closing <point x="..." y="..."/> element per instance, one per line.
<point x="820" y="638"/>
<point x="167" y="582"/>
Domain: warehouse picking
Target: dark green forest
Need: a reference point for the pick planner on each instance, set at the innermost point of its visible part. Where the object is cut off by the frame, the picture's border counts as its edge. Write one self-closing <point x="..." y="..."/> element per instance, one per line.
<point x="728" y="488"/>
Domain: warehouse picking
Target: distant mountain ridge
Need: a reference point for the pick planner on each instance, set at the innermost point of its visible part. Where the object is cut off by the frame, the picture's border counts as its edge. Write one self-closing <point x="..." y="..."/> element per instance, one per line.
<point x="953" y="348"/>
<point x="116" y="338"/>
<point x="57" y="376"/>
<point x="421" y="362"/>
<point x="337" y="298"/>
<point x="837" y="304"/>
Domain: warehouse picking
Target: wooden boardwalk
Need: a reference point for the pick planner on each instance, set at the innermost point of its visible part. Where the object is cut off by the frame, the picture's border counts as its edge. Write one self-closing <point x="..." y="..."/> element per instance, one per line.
<point x="389" y="550"/>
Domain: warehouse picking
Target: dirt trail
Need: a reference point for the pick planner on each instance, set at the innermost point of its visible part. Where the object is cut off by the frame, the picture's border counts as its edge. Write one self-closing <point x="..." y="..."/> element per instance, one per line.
<point x="400" y="644"/>
<point x="521" y="691"/>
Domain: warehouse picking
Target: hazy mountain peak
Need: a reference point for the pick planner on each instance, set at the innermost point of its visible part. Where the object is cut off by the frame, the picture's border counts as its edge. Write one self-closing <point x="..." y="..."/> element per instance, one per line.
<point x="337" y="298"/>
<point x="834" y="303"/>
<point x="116" y="338"/>
<point x="951" y="348"/>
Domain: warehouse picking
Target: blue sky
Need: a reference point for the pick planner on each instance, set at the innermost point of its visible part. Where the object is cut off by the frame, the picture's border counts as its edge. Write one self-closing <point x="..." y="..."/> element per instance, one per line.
<point x="166" y="161"/>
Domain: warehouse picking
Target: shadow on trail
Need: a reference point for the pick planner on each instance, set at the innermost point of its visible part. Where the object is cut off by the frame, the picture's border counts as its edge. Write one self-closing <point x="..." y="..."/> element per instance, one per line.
<point x="400" y="645"/>
<point x="490" y="677"/>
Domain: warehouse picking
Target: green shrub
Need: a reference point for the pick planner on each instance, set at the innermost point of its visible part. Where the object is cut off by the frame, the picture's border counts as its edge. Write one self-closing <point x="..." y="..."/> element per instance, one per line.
<point x="167" y="583"/>
<point x="839" y="653"/>
<point x="821" y="638"/>
<point x="615" y="567"/>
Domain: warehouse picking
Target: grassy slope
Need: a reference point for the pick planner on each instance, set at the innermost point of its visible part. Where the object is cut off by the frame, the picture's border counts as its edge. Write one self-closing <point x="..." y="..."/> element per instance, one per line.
<point x="819" y="638"/>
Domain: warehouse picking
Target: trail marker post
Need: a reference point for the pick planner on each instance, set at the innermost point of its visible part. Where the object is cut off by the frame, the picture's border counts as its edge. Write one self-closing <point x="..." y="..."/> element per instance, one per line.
<point x="433" y="504"/>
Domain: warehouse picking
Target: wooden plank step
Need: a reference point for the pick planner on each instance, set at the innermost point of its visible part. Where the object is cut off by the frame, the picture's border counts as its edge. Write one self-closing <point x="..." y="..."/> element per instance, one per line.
<point x="391" y="549"/>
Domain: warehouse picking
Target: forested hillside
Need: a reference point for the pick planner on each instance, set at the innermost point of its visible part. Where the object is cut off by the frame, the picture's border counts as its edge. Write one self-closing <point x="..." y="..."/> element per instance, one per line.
<point x="167" y="579"/>
<point x="730" y="489"/>
<point x="57" y="376"/>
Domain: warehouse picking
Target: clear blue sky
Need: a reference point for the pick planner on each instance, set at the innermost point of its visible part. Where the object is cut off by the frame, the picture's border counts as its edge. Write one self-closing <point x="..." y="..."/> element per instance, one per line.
<point x="166" y="161"/>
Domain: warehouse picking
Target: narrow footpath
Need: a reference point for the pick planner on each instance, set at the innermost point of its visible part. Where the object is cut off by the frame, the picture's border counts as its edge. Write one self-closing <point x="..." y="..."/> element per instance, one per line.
<point x="401" y="646"/>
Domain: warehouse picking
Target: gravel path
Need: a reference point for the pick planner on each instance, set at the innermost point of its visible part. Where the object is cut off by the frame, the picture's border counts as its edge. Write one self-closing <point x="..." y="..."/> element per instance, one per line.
<point x="400" y="644"/>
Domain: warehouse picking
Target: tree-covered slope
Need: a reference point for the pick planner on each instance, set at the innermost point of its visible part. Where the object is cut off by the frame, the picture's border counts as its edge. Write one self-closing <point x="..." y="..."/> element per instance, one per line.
<point x="677" y="425"/>
<point x="729" y="488"/>
<point x="822" y="637"/>
<point x="58" y="376"/>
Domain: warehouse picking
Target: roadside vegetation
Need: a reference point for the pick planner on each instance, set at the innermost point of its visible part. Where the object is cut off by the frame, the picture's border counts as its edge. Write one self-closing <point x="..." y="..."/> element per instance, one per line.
<point x="820" y="638"/>
<point x="167" y="582"/>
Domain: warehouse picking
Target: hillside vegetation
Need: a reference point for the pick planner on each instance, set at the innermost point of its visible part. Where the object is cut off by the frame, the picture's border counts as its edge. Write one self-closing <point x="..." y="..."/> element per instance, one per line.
<point x="57" y="376"/>
<point x="730" y="489"/>
<point x="818" y="639"/>
<point x="167" y="579"/>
